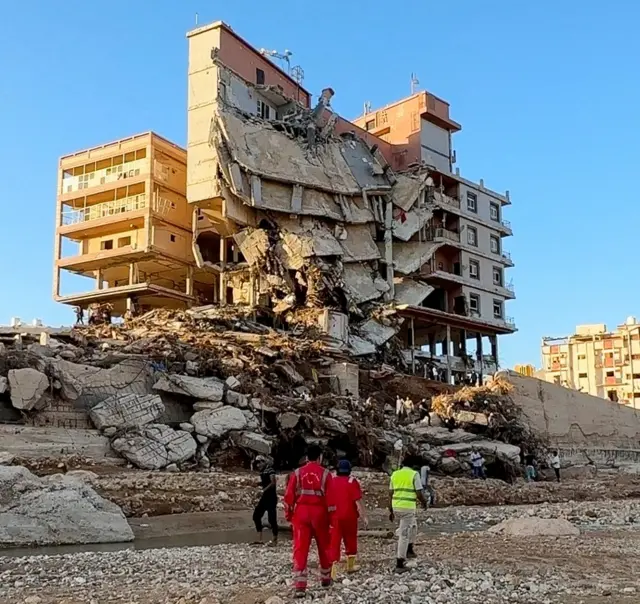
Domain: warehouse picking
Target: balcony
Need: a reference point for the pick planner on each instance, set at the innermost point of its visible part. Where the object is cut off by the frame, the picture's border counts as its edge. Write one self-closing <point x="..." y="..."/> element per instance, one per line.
<point x="446" y="199"/>
<point x="510" y="321"/>
<point x="131" y="169"/>
<point x="105" y="209"/>
<point x="443" y="235"/>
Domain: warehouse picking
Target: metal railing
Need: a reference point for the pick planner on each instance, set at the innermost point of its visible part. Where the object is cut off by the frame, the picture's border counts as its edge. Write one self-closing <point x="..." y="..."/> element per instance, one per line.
<point x="510" y="321"/>
<point x="511" y="287"/>
<point x="441" y="233"/>
<point x="506" y="255"/>
<point x="105" y="175"/>
<point x="107" y="208"/>
<point x="506" y="223"/>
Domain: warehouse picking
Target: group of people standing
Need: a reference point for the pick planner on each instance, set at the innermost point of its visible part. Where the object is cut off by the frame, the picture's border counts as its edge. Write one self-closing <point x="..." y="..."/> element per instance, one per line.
<point x="327" y="508"/>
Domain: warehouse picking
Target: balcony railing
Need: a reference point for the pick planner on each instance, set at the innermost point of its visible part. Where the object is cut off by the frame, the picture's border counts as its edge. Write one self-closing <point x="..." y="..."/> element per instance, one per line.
<point x="511" y="287"/>
<point x="441" y="233"/>
<point x="104" y="176"/>
<point x="507" y="256"/>
<point x="442" y="198"/>
<point x="506" y="223"/>
<point x="107" y="208"/>
<point x="510" y="321"/>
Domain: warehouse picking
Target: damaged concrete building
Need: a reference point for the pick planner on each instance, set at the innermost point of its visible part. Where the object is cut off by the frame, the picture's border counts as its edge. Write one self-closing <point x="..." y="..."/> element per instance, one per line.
<point x="298" y="208"/>
<point x="357" y="228"/>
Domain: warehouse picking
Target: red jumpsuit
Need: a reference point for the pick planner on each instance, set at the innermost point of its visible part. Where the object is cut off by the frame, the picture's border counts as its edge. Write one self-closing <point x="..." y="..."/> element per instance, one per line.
<point x="345" y="492"/>
<point x="306" y="507"/>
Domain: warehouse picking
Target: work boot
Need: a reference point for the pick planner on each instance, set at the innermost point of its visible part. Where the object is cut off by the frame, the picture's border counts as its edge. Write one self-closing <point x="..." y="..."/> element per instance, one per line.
<point x="411" y="554"/>
<point x="352" y="567"/>
<point x="300" y="593"/>
<point x="400" y="567"/>
<point x="326" y="583"/>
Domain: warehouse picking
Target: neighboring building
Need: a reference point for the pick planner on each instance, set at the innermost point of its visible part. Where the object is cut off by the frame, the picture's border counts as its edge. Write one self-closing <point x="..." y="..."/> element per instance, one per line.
<point x="123" y="204"/>
<point x="526" y="370"/>
<point x="597" y="361"/>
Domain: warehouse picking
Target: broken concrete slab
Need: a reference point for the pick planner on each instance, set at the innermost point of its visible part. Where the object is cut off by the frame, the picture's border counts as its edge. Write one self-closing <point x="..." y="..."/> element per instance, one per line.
<point x="359" y="347"/>
<point x="375" y="332"/>
<point x="409" y="257"/>
<point x="128" y="411"/>
<point x="254" y="442"/>
<point x="207" y="406"/>
<point x="28" y="387"/>
<point x="288" y="420"/>
<point x="358" y="244"/>
<point x="333" y="425"/>
<point x="218" y="423"/>
<point x="410" y="291"/>
<point x="232" y="382"/>
<point x="362" y="283"/>
<point x="4" y="384"/>
<point x="204" y="389"/>
<point x="36" y="512"/>
<point x="289" y="371"/>
<point x="408" y="189"/>
<point x="155" y="446"/>
<point x="235" y="399"/>
<point x="406" y="224"/>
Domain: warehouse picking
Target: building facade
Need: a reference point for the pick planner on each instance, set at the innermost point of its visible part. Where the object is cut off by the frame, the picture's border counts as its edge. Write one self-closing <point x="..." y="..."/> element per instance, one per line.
<point x="597" y="361"/>
<point x="122" y="220"/>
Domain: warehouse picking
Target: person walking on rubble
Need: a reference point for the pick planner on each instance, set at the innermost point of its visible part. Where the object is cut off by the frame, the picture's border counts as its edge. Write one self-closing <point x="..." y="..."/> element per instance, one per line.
<point x="268" y="501"/>
<point x="306" y="507"/>
<point x="405" y="490"/>
<point x="346" y="498"/>
<point x="477" y="464"/>
<point x="554" y="462"/>
<point x="79" y="315"/>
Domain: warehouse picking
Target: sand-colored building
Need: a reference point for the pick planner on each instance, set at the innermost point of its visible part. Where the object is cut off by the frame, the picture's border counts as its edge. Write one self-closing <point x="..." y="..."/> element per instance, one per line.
<point x="123" y="221"/>
<point x="597" y="361"/>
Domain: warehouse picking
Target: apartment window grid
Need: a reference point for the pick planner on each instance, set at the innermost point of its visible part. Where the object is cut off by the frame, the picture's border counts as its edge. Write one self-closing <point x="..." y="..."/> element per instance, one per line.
<point x="472" y="236"/>
<point x="264" y="111"/>
<point x="472" y="202"/>
<point x="474" y="303"/>
<point x="495" y="244"/>
<point x="494" y="211"/>
<point x="474" y="269"/>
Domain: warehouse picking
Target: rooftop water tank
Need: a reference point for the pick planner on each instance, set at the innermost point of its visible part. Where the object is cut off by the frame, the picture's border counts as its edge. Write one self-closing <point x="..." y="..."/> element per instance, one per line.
<point x="631" y="321"/>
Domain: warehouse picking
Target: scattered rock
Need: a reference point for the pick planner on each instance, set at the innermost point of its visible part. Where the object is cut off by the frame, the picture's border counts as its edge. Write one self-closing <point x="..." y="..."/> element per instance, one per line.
<point x="4" y="384"/>
<point x="237" y="400"/>
<point x="27" y="388"/>
<point x="232" y="382"/>
<point x="254" y="442"/>
<point x="203" y="389"/>
<point x="207" y="406"/>
<point x="6" y="458"/>
<point x="288" y="420"/>
<point x="187" y="427"/>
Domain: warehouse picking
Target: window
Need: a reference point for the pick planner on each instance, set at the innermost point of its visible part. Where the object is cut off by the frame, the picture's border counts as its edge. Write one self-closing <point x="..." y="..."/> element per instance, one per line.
<point x="259" y="77"/>
<point x="582" y="357"/>
<point x="106" y="245"/>
<point x="636" y="376"/>
<point x="474" y="303"/>
<point x="472" y="236"/>
<point x="494" y="211"/>
<point x="497" y="309"/>
<point x="124" y="241"/>
<point x="582" y="375"/>
<point x="472" y="202"/>
<point x="497" y="275"/>
<point x="370" y="125"/>
<point x="264" y="111"/>
<point x="556" y="380"/>
<point x="474" y="269"/>
<point x="495" y="244"/>
<point x="173" y="238"/>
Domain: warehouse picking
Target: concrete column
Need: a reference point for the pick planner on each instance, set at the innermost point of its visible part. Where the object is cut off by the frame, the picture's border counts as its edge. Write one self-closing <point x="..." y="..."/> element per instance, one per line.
<point x="99" y="279"/>
<point x="189" y="284"/>
<point x="388" y="248"/>
<point x="432" y="345"/>
<point x="412" y="342"/>
<point x="463" y="341"/>
<point x="494" y="348"/>
<point x="223" y="266"/>
<point x="479" y="356"/>
<point x="447" y="352"/>
<point x="132" y="273"/>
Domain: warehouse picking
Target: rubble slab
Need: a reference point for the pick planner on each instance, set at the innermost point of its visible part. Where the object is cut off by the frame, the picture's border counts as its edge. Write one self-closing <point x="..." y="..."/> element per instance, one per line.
<point x="128" y="411"/>
<point x="204" y="389"/>
<point x="28" y="387"/>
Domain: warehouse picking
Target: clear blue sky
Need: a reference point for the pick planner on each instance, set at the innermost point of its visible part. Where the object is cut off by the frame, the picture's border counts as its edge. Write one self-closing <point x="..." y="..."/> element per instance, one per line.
<point x="547" y="92"/>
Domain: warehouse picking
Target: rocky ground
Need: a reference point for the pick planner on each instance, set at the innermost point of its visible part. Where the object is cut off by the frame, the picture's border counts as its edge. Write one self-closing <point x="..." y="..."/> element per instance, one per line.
<point x="472" y="568"/>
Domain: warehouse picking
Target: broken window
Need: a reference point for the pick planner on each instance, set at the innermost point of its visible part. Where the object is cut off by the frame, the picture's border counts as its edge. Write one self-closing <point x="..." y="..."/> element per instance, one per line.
<point x="370" y="125"/>
<point x="474" y="269"/>
<point x="472" y="202"/>
<point x="495" y="244"/>
<point x="474" y="303"/>
<point x="494" y="211"/>
<point x="472" y="236"/>
<point x="264" y="111"/>
<point x="613" y="395"/>
<point x="497" y="275"/>
<point x="497" y="309"/>
<point x="556" y="380"/>
<point x="106" y="245"/>
<point x="124" y="241"/>
<point x="259" y="77"/>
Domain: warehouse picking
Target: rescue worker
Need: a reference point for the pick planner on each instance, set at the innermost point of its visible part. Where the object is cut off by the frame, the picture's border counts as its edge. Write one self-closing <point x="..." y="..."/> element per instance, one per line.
<point x="405" y="490"/>
<point x="346" y="497"/>
<point x="79" y="315"/>
<point x="306" y="507"/>
<point x="268" y="500"/>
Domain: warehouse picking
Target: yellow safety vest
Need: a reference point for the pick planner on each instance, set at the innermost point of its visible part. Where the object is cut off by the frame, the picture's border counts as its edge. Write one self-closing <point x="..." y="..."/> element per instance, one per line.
<point x="404" y="490"/>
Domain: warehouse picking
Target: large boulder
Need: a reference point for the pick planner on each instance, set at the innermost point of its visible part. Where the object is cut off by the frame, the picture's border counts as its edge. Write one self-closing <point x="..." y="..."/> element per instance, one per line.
<point x="254" y="442"/>
<point x="156" y="446"/>
<point x="535" y="527"/>
<point x="34" y="511"/>
<point x="219" y="422"/>
<point x="27" y="388"/>
<point x="128" y="411"/>
<point x="203" y="389"/>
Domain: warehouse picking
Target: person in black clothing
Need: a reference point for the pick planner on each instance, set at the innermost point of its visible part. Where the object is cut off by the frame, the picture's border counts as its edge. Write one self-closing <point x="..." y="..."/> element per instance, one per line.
<point x="268" y="501"/>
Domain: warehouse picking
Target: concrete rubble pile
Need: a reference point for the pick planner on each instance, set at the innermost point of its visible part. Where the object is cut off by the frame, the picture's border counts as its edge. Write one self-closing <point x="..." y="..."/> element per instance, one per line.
<point x="174" y="389"/>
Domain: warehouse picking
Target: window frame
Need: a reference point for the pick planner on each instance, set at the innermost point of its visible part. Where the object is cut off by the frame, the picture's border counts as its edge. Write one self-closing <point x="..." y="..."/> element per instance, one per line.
<point x="475" y="297"/>
<point x="473" y="198"/>
<point x="474" y="230"/>
<point x="498" y="270"/>
<point x="495" y="238"/>
<point x="494" y="206"/>
<point x="475" y="263"/>
<point x="500" y="305"/>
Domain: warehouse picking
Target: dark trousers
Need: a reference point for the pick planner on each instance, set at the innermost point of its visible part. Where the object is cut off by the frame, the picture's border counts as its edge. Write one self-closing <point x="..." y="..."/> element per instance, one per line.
<point x="557" y="471"/>
<point x="268" y="505"/>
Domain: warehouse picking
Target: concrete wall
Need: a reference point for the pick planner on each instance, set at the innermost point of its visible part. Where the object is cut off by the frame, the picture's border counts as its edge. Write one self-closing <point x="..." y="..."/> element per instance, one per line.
<point x="436" y="146"/>
<point x="576" y="420"/>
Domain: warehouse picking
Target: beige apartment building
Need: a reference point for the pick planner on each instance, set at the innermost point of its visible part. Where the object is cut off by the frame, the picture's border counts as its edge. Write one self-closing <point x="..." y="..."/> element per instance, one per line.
<point x="122" y="220"/>
<point x="597" y="361"/>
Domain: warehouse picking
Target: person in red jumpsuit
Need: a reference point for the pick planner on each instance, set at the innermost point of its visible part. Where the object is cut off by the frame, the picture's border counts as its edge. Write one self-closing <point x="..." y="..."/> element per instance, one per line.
<point x="346" y="497"/>
<point x="306" y="507"/>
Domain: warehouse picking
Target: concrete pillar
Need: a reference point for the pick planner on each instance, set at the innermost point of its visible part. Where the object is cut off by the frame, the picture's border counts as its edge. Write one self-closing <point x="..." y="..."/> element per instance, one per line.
<point x="479" y="356"/>
<point x="432" y="345"/>
<point x="223" y="277"/>
<point x="463" y="342"/>
<point x="494" y="348"/>
<point x="99" y="279"/>
<point x="447" y="352"/>
<point x="412" y="342"/>
<point x="388" y="248"/>
<point x="189" y="281"/>
<point x="132" y="274"/>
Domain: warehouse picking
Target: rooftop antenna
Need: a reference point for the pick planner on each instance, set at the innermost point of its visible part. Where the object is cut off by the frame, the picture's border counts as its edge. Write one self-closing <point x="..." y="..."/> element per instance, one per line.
<point x="196" y="18"/>
<point x="297" y="73"/>
<point x="367" y="107"/>
<point x="414" y="83"/>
